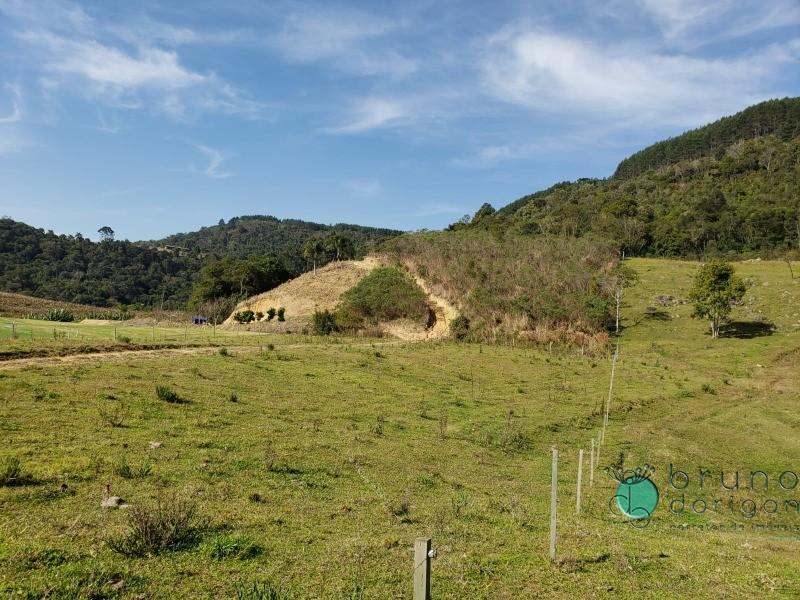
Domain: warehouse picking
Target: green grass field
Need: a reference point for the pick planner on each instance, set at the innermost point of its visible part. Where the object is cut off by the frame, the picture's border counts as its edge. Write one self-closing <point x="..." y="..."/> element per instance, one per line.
<point x="314" y="465"/>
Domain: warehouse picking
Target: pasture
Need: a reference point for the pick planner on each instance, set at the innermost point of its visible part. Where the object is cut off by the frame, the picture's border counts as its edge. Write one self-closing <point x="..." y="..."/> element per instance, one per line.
<point x="313" y="464"/>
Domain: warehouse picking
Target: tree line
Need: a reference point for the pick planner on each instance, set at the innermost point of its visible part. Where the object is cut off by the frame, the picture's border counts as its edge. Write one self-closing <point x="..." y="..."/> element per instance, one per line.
<point x="245" y="256"/>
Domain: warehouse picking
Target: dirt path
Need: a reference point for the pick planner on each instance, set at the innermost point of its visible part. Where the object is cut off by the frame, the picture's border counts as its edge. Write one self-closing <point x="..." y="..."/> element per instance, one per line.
<point x="93" y="357"/>
<point x="90" y="357"/>
<point x="444" y="311"/>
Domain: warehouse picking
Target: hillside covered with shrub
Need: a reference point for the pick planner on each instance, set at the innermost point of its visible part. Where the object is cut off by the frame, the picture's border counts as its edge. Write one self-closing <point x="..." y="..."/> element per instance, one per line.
<point x="505" y="285"/>
<point x="726" y="189"/>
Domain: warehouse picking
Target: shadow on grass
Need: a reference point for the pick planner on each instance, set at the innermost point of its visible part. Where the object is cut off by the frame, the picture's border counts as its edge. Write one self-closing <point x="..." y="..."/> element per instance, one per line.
<point x="747" y="329"/>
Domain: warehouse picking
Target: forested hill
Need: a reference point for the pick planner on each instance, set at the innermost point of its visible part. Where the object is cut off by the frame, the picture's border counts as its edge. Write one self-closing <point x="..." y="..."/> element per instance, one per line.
<point x="780" y="118"/>
<point x="715" y="190"/>
<point x="258" y="235"/>
<point x="73" y="268"/>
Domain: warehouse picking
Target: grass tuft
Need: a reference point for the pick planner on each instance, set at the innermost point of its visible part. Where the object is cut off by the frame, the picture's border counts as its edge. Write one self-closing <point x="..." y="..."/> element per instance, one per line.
<point x="167" y="394"/>
<point x="166" y="526"/>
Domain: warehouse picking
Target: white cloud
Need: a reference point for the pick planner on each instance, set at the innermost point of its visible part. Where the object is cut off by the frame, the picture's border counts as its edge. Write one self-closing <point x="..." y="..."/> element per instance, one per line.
<point x="150" y="77"/>
<point x="111" y="67"/>
<point x="373" y="113"/>
<point x="557" y="73"/>
<point x="341" y="37"/>
<point x="215" y="159"/>
<point x="16" y="104"/>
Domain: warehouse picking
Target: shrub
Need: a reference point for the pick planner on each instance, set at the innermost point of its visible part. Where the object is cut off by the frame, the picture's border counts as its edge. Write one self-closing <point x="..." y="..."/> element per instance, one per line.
<point x="324" y="323"/>
<point x="123" y="339"/>
<point x="167" y="394"/>
<point x="62" y="315"/>
<point x="114" y="417"/>
<point x="259" y="315"/>
<point x="223" y="351"/>
<point x="233" y="397"/>
<point x="505" y="283"/>
<point x="244" y="316"/>
<point x="383" y="295"/>
<point x="270" y="313"/>
<point x="459" y="502"/>
<point x="166" y="526"/>
<point x="281" y="314"/>
<point x="459" y="327"/>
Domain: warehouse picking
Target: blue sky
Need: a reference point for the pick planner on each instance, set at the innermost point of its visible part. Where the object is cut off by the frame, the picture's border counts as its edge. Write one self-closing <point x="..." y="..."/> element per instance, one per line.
<point x="158" y="117"/>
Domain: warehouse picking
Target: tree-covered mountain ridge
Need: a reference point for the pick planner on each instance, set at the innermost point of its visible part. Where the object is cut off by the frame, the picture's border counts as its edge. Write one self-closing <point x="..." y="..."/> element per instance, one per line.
<point x="728" y="188"/>
<point x="74" y="268"/>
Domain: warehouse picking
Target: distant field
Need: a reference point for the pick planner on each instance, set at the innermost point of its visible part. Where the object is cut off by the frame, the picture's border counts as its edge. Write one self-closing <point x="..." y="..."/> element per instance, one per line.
<point x="21" y="305"/>
<point x="316" y="464"/>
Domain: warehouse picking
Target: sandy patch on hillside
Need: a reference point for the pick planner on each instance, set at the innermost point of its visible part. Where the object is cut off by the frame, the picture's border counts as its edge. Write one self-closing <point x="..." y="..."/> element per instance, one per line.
<point x="311" y="291"/>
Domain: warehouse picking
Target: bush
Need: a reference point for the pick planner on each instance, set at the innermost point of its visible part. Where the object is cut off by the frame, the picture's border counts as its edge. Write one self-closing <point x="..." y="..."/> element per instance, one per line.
<point x="324" y="323"/>
<point x="114" y="417"/>
<point x="224" y="351"/>
<point x="259" y="315"/>
<point x="244" y="316"/>
<point x="165" y="526"/>
<point x="459" y="327"/>
<point x="62" y="315"/>
<point x="281" y="314"/>
<point x="167" y="394"/>
<point x="270" y="313"/>
<point x="383" y="295"/>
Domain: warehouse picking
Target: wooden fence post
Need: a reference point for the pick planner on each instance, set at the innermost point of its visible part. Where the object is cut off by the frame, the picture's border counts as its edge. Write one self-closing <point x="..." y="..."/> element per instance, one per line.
<point x="422" y="569"/>
<point x="13" y="331"/>
<point x="553" y="504"/>
<point x="591" y="466"/>
<point x="115" y="334"/>
<point x="580" y="477"/>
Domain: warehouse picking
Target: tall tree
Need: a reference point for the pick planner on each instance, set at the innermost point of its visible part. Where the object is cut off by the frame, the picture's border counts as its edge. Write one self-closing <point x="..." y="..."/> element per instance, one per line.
<point x="312" y="250"/>
<point x="106" y="233"/>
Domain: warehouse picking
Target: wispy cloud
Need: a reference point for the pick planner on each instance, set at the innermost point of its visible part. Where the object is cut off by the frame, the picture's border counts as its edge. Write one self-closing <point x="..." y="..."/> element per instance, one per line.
<point x="121" y="66"/>
<point x="682" y="20"/>
<point x="13" y="141"/>
<point x="213" y="168"/>
<point x="372" y="113"/>
<point x="557" y="73"/>
<point x="16" y="104"/>
<point x="106" y="125"/>
<point x="368" y="188"/>
<point x="341" y="37"/>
